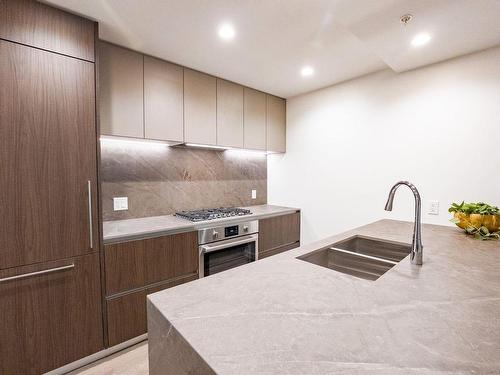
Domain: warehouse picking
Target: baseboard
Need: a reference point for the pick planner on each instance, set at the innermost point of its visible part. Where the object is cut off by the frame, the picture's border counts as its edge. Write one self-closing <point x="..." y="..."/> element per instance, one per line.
<point x="97" y="356"/>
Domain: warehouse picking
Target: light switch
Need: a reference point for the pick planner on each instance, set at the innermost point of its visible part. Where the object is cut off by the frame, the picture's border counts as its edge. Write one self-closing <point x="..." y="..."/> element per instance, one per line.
<point x="120" y="203"/>
<point x="254" y="194"/>
<point x="433" y="208"/>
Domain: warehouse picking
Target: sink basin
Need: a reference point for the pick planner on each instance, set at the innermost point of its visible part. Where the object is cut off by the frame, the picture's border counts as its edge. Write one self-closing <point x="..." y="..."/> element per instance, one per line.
<point x="363" y="257"/>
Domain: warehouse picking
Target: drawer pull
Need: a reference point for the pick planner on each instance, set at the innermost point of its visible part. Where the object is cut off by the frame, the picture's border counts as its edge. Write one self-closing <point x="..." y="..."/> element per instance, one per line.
<point x="31" y="274"/>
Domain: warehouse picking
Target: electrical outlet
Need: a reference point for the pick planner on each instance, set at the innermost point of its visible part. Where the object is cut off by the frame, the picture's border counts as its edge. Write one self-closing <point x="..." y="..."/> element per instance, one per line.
<point x="433" y="208"/>
<point x="120" y="203"/>
<point x="254" y="194"/>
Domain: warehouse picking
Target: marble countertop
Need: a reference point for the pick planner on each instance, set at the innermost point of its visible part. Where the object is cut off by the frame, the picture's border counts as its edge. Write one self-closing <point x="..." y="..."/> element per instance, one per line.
<point x="147" y="227"/>
<point x="282" y="315"/>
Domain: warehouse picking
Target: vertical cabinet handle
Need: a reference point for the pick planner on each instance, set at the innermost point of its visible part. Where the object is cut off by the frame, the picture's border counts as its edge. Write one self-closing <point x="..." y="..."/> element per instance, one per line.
<point x="91" y="235"/>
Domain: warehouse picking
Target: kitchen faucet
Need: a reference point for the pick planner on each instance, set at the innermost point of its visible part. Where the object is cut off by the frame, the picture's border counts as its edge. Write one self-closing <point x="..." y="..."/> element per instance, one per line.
<point x="416" y="246"/>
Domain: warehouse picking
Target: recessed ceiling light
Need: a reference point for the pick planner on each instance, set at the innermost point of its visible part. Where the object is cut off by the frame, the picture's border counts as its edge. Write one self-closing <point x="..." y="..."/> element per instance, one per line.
<point x="420" y="39"/>
<point x="307" y="71"/>
<point x="226" y="31"/>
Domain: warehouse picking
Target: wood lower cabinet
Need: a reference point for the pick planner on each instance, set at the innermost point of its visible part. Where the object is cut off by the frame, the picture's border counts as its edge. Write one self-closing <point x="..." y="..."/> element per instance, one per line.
<point x="126" y="314"/>
<point x="50" y="319"/>
<point x="136" y="268"/>
<point x="278" y="234"/>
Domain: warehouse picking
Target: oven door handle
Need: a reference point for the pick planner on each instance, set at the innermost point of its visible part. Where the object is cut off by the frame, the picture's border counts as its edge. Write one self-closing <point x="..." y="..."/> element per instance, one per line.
<point x="218" y="246"/>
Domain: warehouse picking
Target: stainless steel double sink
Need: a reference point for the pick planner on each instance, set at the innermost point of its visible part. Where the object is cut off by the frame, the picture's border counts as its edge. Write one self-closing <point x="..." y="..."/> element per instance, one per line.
<point x="363" y="257"/>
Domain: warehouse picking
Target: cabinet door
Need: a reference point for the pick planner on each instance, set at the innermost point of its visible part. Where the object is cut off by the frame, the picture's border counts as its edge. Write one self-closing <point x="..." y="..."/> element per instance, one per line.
<point x="229" y="114"/>
<point x="50" y="319"/>
<point x="276" y="124"/>
<point x="255" y="120"/>
<point x="120" y="91"/>
<point x="136" y="264"/>
<point x="163" y="100"/>
<point x="200" y="98"/>
<point x="278" y="232"/>
<point x="34" y="24"/>
<point x="48" y="154"/>
<point x="126" y="313"/>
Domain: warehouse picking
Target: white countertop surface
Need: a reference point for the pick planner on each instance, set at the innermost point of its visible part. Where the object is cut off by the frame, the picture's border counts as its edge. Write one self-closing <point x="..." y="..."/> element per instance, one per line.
<point x="147" y="227"/>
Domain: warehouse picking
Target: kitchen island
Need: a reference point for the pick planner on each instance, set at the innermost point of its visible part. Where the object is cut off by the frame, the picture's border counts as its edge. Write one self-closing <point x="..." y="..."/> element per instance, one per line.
<point x="285" y="315"/>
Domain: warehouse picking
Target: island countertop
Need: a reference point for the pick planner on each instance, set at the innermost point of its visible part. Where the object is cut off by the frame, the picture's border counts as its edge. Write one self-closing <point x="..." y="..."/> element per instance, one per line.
<point x="282" y="315"/>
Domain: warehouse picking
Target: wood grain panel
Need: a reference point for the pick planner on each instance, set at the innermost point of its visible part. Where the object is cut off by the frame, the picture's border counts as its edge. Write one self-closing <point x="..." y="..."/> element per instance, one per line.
<point x="278" y="231"/>
<point x="121" y="91"/>
<point x="126" y="314"/>
<point x="254" y="119"/>
<point x="125" y="265"/>
<point x="136" y="264"/>
<point x="50" y="320"/>
<point x="126" y="317"/>
<point x="229" y="114"/>
<point x="48" y="152"/>
<point x="276" y="124"/>
<point x="277" y="250"/>
<point x="200" y="108"/>
<point x="39" y="25"/>
<point x="172" y="256"/>
<point x="163" y="100"/>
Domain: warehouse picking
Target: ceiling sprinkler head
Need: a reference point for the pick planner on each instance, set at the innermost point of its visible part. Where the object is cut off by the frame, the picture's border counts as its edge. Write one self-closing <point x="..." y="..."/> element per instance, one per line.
<point x="406" y="18"/>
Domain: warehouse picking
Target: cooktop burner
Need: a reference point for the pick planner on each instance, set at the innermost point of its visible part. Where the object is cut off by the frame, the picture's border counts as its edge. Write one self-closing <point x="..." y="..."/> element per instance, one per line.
<point x="212" y="213"/>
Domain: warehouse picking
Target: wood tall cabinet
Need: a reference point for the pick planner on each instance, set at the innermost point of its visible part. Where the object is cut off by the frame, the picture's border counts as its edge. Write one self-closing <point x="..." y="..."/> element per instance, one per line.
<point x="50" y="299"/>
<point x="276" y="124"/>
<point x="135" y="269"/>
<point x="200" y="108"/>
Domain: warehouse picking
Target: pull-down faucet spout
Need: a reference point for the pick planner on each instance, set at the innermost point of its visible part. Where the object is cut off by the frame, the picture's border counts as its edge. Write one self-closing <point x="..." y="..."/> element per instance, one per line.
<point x="416" y="245"/>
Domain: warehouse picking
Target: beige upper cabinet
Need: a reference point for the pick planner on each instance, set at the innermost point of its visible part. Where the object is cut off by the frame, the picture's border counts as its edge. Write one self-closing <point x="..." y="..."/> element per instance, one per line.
<point x="276" y="124"/>
<point x="254" y="120"/>
<point x="120" y="91"/>
<point x="163" y="100"/>
<point x="200" y="108"/>
<point x="229" y="114"/>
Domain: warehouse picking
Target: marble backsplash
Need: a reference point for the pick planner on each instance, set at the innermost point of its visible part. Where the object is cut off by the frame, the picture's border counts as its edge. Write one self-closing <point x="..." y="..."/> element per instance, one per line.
<point x="160" y="180"/>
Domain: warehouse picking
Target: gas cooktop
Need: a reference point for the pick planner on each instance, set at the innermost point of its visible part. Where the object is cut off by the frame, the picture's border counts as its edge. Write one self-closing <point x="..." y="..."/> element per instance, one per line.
<point x="212" y="213"/>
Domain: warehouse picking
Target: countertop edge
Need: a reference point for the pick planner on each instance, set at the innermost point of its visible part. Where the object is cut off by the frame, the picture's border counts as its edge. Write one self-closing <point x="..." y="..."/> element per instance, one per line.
<point x="189" y="226"/>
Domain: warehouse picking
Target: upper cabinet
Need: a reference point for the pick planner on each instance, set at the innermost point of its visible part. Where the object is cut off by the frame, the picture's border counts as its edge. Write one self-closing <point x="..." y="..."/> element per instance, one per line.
<point x="254" y="120"/>
<point x="229" y="114"/>
<point x="276" y="124"/>
<point x="200" y="108"/>
<point x="145" y="97"/>
<point x="163" y="100"/>
<point x="32" y="23"/>
<point x="121" y="91"/>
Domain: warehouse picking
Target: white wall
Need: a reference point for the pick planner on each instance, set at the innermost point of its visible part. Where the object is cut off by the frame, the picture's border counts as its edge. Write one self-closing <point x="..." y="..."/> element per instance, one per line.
<point x="438" y="127"/>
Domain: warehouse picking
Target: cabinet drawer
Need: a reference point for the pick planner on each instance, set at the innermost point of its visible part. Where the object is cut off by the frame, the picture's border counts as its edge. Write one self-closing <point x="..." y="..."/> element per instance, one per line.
<point x="136" y="264"/>
<point x="277" y="250"/>
<point x="127" y="313"/>
<point x="50" y="314"/>
<point x="279" y="231"/>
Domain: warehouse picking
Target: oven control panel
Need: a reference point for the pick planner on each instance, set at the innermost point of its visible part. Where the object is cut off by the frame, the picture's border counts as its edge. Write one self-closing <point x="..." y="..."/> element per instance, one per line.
<point x="213" y="234"/>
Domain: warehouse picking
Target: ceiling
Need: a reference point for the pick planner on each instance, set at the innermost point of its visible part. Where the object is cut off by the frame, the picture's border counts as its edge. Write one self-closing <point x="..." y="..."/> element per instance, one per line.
<point x="340" y="39"/>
